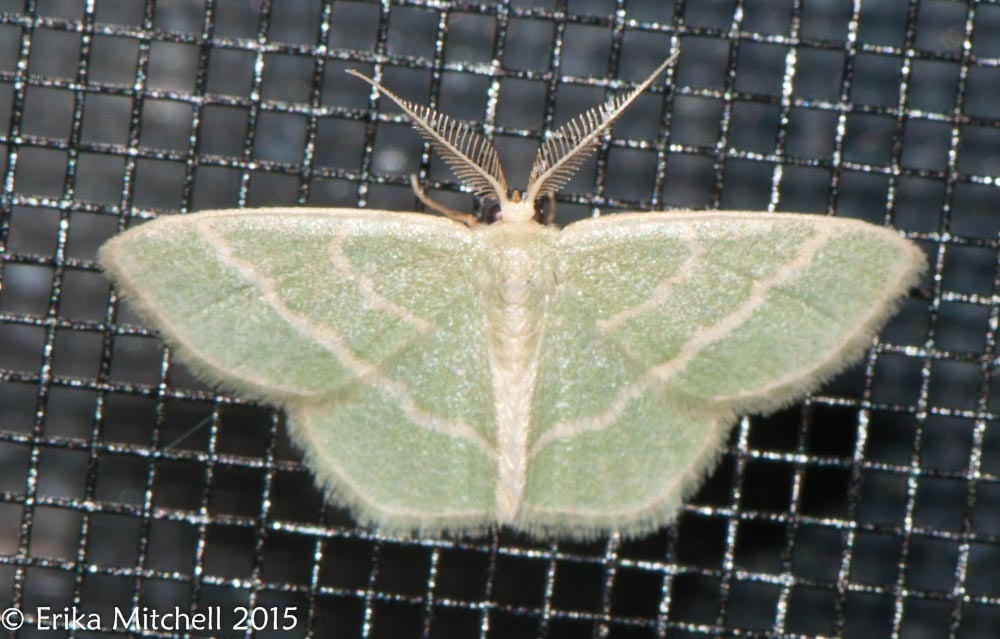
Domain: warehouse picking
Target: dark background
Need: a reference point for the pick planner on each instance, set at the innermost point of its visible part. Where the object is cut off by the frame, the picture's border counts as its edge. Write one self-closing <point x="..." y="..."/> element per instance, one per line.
<point x="870" y="510"/>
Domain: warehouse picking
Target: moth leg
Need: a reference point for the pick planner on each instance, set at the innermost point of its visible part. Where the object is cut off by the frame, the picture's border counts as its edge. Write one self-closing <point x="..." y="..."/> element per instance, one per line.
<point x="550" y="213"/>
<point x="451" y="214"/>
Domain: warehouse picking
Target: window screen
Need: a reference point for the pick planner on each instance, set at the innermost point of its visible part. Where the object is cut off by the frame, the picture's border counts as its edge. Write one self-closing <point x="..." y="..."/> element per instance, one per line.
<point x="872" y="509"/>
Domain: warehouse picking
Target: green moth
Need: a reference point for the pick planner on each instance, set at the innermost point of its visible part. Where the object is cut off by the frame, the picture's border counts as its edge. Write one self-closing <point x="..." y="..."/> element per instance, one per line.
<point x="448" y="376"/>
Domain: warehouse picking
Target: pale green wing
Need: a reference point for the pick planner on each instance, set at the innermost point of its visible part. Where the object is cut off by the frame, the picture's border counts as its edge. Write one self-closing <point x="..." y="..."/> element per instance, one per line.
<point x="665" y="326"/>
<point x="362" y="325"/>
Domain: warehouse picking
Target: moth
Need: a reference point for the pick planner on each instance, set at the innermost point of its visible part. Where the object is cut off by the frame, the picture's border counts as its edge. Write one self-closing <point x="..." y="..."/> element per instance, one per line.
<point x="443" y="375"/>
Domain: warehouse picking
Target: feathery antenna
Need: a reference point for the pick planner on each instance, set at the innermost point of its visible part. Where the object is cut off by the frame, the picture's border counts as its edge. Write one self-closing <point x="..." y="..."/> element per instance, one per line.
<point x="470" y="155"/>
<point x="564" y="151"/>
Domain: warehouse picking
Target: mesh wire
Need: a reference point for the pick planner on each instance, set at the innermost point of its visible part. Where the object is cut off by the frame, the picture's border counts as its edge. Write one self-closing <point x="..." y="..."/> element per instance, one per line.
<point x="870" y="510"/>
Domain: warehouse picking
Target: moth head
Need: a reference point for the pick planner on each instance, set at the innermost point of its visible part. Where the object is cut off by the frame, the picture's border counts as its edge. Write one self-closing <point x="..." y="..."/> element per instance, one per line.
<point x="475" y="161"/>
<point x="493" y="212"/>
<point x="516" y="209"/>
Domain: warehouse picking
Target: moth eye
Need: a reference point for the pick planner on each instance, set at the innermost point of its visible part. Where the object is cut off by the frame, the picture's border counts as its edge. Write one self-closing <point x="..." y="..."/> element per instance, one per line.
<point x="539" y="212"/>
<point x="492" y="213"/>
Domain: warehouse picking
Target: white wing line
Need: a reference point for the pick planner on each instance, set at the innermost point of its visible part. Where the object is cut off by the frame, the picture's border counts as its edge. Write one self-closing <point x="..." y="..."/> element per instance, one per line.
<point x="708" y="447"/>
<point x="334" y="344"/>
<point x="662" y="373"/>
<point x="862" y="327"/>
<point x="175" y="336"/>
<point x="319" y="448"/>
<point x="372" y="299"/>
<point x="701" y="340"/>
<point x="658" y="296"/>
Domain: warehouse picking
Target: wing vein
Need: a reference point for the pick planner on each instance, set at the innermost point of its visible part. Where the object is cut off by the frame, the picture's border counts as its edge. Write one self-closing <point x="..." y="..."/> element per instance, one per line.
<point x="371" y="297"/>
<point x="658" y="296"/>
<point x="317" y="448"/>
<point x="665" y="371"/>
<point x="335" y="345"/>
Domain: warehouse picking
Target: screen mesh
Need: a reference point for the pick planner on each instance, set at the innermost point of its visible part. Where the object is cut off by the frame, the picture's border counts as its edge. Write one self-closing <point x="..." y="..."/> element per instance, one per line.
<point x="870" y="510"/>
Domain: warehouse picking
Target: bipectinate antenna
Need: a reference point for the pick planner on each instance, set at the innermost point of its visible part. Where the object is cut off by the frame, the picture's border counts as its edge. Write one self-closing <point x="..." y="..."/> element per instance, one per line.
<point x="564" y="151"/>
<point x="470" y="155"/>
